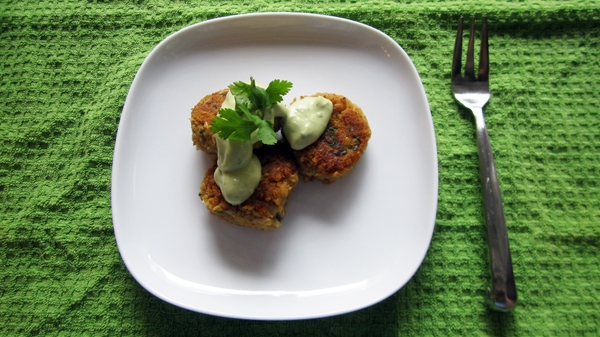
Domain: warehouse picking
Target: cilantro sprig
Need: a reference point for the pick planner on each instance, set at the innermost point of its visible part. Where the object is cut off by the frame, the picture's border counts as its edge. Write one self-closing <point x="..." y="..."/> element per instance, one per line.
<point x="251" y="102"/>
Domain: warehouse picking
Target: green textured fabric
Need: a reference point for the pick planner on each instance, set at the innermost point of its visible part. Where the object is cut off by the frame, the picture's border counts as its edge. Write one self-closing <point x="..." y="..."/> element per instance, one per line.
<point x="66" y="67"/>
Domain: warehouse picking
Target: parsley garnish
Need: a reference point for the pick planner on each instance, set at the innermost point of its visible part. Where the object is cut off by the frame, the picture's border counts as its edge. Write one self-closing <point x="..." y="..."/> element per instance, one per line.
<point x="251" y="103"/>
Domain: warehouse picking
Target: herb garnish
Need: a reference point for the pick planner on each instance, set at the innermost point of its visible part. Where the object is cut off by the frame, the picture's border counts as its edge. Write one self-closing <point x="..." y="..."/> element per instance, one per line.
<point x="251" y="102"/>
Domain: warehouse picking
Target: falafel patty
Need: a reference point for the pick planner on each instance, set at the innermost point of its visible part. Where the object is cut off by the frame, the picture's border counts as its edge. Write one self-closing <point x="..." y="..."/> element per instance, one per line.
<point x="202" y="115"/>
<point x="266" y="206"/>
<point x="340" y="147"/>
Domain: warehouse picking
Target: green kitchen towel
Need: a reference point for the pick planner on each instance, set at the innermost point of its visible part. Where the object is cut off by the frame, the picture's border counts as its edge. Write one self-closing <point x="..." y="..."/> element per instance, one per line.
<point x="65" y="70"/>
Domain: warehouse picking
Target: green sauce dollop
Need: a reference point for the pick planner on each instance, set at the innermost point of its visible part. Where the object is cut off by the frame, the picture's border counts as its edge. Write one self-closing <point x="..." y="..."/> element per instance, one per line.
<point x="239" y="171"/>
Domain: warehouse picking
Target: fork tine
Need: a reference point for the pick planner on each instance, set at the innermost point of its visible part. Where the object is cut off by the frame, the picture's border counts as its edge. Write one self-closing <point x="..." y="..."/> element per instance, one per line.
<point x="457" y="50"/>
<point x="484" y="66"/>
<point x="470" y="65"/>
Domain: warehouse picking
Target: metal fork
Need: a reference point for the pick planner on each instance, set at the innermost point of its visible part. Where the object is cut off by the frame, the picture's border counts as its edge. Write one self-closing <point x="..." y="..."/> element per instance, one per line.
<point x="474" y="92"/>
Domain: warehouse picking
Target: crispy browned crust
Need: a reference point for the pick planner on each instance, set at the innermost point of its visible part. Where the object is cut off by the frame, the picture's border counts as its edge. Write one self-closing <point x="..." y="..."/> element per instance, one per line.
<point x="266" y="206"/>
<point x="202" y="115"/>
<point x="340" y="147"/>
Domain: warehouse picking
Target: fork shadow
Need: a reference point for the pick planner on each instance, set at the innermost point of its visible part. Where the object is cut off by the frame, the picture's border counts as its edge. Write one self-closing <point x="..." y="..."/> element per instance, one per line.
<point x="501" y="323"/>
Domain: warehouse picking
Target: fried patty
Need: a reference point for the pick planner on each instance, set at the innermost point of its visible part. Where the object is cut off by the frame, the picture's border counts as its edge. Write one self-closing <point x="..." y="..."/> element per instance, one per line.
<point x="266" y="206"/>
<point x="340" y="147"/>
<point x="202" y="115"/>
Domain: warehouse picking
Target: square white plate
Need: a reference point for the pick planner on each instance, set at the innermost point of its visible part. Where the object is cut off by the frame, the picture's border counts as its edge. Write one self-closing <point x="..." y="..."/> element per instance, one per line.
<point x="342" y="246"/>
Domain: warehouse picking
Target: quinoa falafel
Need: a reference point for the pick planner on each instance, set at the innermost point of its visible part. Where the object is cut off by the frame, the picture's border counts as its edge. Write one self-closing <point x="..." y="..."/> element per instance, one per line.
<point x="265" y="208"/>
<point x="202" y="115"/>
<point x="329" y="158"/>
<point x="340" y="147"/>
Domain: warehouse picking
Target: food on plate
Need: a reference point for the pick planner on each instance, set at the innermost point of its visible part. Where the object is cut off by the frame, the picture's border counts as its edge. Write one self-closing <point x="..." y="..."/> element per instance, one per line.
<point x="246" y="117"/>
<point x="323" y="136"/>
<point x="340" y="147"/>
<point x="265" y="208"/>
<point x="202" y="115"/>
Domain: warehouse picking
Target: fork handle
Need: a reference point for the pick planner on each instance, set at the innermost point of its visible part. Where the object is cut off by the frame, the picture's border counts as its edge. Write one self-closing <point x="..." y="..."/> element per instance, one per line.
<point x="503" y="293"/>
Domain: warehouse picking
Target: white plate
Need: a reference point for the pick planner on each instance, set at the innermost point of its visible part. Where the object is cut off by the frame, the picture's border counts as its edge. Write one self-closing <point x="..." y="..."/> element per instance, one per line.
<point x="342" y="246"/>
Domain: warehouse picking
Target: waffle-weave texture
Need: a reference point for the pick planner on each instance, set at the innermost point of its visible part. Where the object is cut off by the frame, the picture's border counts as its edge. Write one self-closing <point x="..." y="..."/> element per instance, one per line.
<point x="66" y="67"/>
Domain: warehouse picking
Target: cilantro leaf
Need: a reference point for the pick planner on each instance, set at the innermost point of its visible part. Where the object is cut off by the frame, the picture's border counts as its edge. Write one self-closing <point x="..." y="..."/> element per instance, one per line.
<point x="253" y="118"/>
<point x="277" y="89"/>
<point x="250" y="105"/>
<point x="242" y="94"/>
<point x="260" y="96"/>
<point x="228" y="124"/>
<point x="266" y="134"/>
